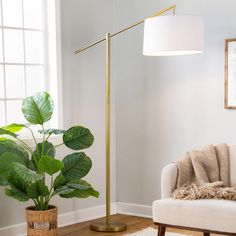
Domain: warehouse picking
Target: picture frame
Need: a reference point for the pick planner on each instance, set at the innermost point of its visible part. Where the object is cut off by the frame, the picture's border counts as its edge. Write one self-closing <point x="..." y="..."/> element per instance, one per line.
<point x="230" y="74"/>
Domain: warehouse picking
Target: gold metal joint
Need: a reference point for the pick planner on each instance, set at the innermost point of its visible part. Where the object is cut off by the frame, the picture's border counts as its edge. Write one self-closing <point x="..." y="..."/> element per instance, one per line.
<point x="174" y="9"/>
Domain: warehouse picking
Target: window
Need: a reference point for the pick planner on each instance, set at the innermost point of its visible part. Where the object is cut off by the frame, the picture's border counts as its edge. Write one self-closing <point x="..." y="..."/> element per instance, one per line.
<point x="28" y="54"/>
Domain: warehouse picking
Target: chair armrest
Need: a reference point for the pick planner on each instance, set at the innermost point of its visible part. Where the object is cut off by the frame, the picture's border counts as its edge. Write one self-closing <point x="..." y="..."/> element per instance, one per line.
<point x="168" y="180"/>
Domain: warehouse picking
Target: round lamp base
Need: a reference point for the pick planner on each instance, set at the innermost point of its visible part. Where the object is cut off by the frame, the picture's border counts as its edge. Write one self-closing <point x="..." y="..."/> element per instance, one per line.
<point x="112" y="227"/>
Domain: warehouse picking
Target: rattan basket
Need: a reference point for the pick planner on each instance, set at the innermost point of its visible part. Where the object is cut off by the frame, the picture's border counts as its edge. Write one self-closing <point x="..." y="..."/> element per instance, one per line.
<point x="41" y="223"/>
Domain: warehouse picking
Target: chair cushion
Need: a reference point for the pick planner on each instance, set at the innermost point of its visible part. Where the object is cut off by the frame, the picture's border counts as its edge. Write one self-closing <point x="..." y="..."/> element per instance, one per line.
<point x="232" y="164"/>
<point x="210" y="214"/>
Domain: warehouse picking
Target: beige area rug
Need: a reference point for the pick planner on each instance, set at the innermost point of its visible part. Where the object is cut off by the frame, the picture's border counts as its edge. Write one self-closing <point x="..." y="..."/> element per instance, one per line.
<point x="152" y="232"/>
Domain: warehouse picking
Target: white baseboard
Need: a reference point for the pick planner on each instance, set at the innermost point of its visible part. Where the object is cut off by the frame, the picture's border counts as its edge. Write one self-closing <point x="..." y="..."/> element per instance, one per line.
<point x="63" y="219"/>
<point x="85" y="215"/>
<point x="134" y="209"/>
<point x="18" y="229"/>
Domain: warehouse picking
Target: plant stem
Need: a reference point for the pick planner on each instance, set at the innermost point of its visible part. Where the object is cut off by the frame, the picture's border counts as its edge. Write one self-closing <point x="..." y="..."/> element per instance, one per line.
<point x="41" y="203"/>
<point x="54" y="147"/>
<point x="43" y="141"/>
<point x="37" y="203"/>
<point x="49" y="195"/>
<point x="32" y="133"/>
<point x="58" y="145"/>
<point x="48" y="137"/>
<point x="25" y="145"/>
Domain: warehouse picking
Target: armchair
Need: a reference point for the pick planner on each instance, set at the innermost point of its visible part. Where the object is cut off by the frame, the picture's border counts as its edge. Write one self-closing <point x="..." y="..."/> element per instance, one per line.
<point x="205" y="215"/>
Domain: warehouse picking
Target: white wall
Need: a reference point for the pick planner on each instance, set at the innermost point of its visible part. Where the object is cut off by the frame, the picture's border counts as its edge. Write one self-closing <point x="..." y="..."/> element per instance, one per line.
<point x="168" y="105"/>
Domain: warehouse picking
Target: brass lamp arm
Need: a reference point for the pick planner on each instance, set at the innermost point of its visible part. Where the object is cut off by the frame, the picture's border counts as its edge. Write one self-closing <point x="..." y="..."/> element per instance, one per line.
<point x="127" y="28"/>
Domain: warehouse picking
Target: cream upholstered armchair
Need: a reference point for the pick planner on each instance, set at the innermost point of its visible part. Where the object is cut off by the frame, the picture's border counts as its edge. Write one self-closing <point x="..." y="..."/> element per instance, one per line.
<point x="206" y="215"/>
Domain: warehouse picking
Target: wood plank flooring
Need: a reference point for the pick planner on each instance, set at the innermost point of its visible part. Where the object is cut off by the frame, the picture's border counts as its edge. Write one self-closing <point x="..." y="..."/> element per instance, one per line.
<point x="134" y="224"/>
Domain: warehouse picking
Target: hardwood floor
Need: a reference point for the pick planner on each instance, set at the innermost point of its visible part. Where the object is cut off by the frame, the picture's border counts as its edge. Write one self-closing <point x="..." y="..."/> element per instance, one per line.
<point x="134" y="224"/>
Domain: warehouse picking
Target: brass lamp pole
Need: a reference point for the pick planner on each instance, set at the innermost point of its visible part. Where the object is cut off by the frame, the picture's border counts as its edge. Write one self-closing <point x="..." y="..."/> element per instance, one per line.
<point x="109" y="226"/>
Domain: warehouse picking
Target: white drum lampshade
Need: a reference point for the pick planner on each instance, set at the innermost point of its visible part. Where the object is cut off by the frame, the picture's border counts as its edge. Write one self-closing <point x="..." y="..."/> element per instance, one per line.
<point x="173" y="35"/>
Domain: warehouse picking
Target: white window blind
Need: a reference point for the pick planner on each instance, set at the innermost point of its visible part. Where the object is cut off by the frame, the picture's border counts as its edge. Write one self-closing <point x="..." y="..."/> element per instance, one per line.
<point x="23" y="55"/>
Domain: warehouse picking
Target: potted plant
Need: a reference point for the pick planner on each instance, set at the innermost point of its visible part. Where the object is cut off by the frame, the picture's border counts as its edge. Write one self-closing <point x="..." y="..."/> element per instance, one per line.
<point x="35" y="173"/>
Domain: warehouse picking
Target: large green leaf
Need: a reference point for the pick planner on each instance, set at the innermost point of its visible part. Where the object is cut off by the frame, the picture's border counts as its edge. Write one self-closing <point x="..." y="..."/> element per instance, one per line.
<point x="79" y="184"/>
<point x="18" y="182"/>
<point x="50" y="165"/>
<point x="48" y="149"/>
<point x="16" y="194"/>
<point x="76" y="188"/>
<point x="32" y="165"/>
<point x="38" y="108"/>
<point x="26" y="174"/>
<point x="11" y="152"/>
<point x="4" y="139"/>
<point x="19" y="186"/>
<point x="59" y="181"/>
<point x="76" y="166"/>
<point x="78" y="138"/>
<point x="6" y="132"/>
<point x="52" y="131"/>
<point x="6" y="163"/>
<point x="14" y="128"/>
<point x="3" y="181"/>
<point x="37" y="189"/>
<point x="81" y="193"/>
<point x="10" y="146"/>
<point x="63" y="190"/>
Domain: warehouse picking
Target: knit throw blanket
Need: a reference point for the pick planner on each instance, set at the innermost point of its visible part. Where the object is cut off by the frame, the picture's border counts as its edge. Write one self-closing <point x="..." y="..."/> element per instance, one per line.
<point x="204" y="175"/>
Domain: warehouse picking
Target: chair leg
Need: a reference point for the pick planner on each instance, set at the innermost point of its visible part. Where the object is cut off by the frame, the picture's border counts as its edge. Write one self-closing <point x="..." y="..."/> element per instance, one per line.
<point x="161" y="230"/>
<point x="206" y="234"/>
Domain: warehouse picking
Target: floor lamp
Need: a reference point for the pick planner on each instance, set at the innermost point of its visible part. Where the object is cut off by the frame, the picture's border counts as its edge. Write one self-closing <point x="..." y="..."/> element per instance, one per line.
<point x="163" y="36"/>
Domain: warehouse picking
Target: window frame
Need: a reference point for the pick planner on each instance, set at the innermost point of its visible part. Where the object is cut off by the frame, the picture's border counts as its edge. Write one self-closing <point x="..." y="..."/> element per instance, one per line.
<point x="53" y="45"/>
<point x="51" y="30"/>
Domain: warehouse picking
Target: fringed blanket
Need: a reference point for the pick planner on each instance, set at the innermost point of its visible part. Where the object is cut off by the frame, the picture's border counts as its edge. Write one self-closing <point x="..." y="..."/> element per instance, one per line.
<point x="205" y="175"/>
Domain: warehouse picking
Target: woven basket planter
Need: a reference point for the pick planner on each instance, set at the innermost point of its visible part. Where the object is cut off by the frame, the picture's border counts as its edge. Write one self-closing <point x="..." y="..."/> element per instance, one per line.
<point x="41" y="223"/>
